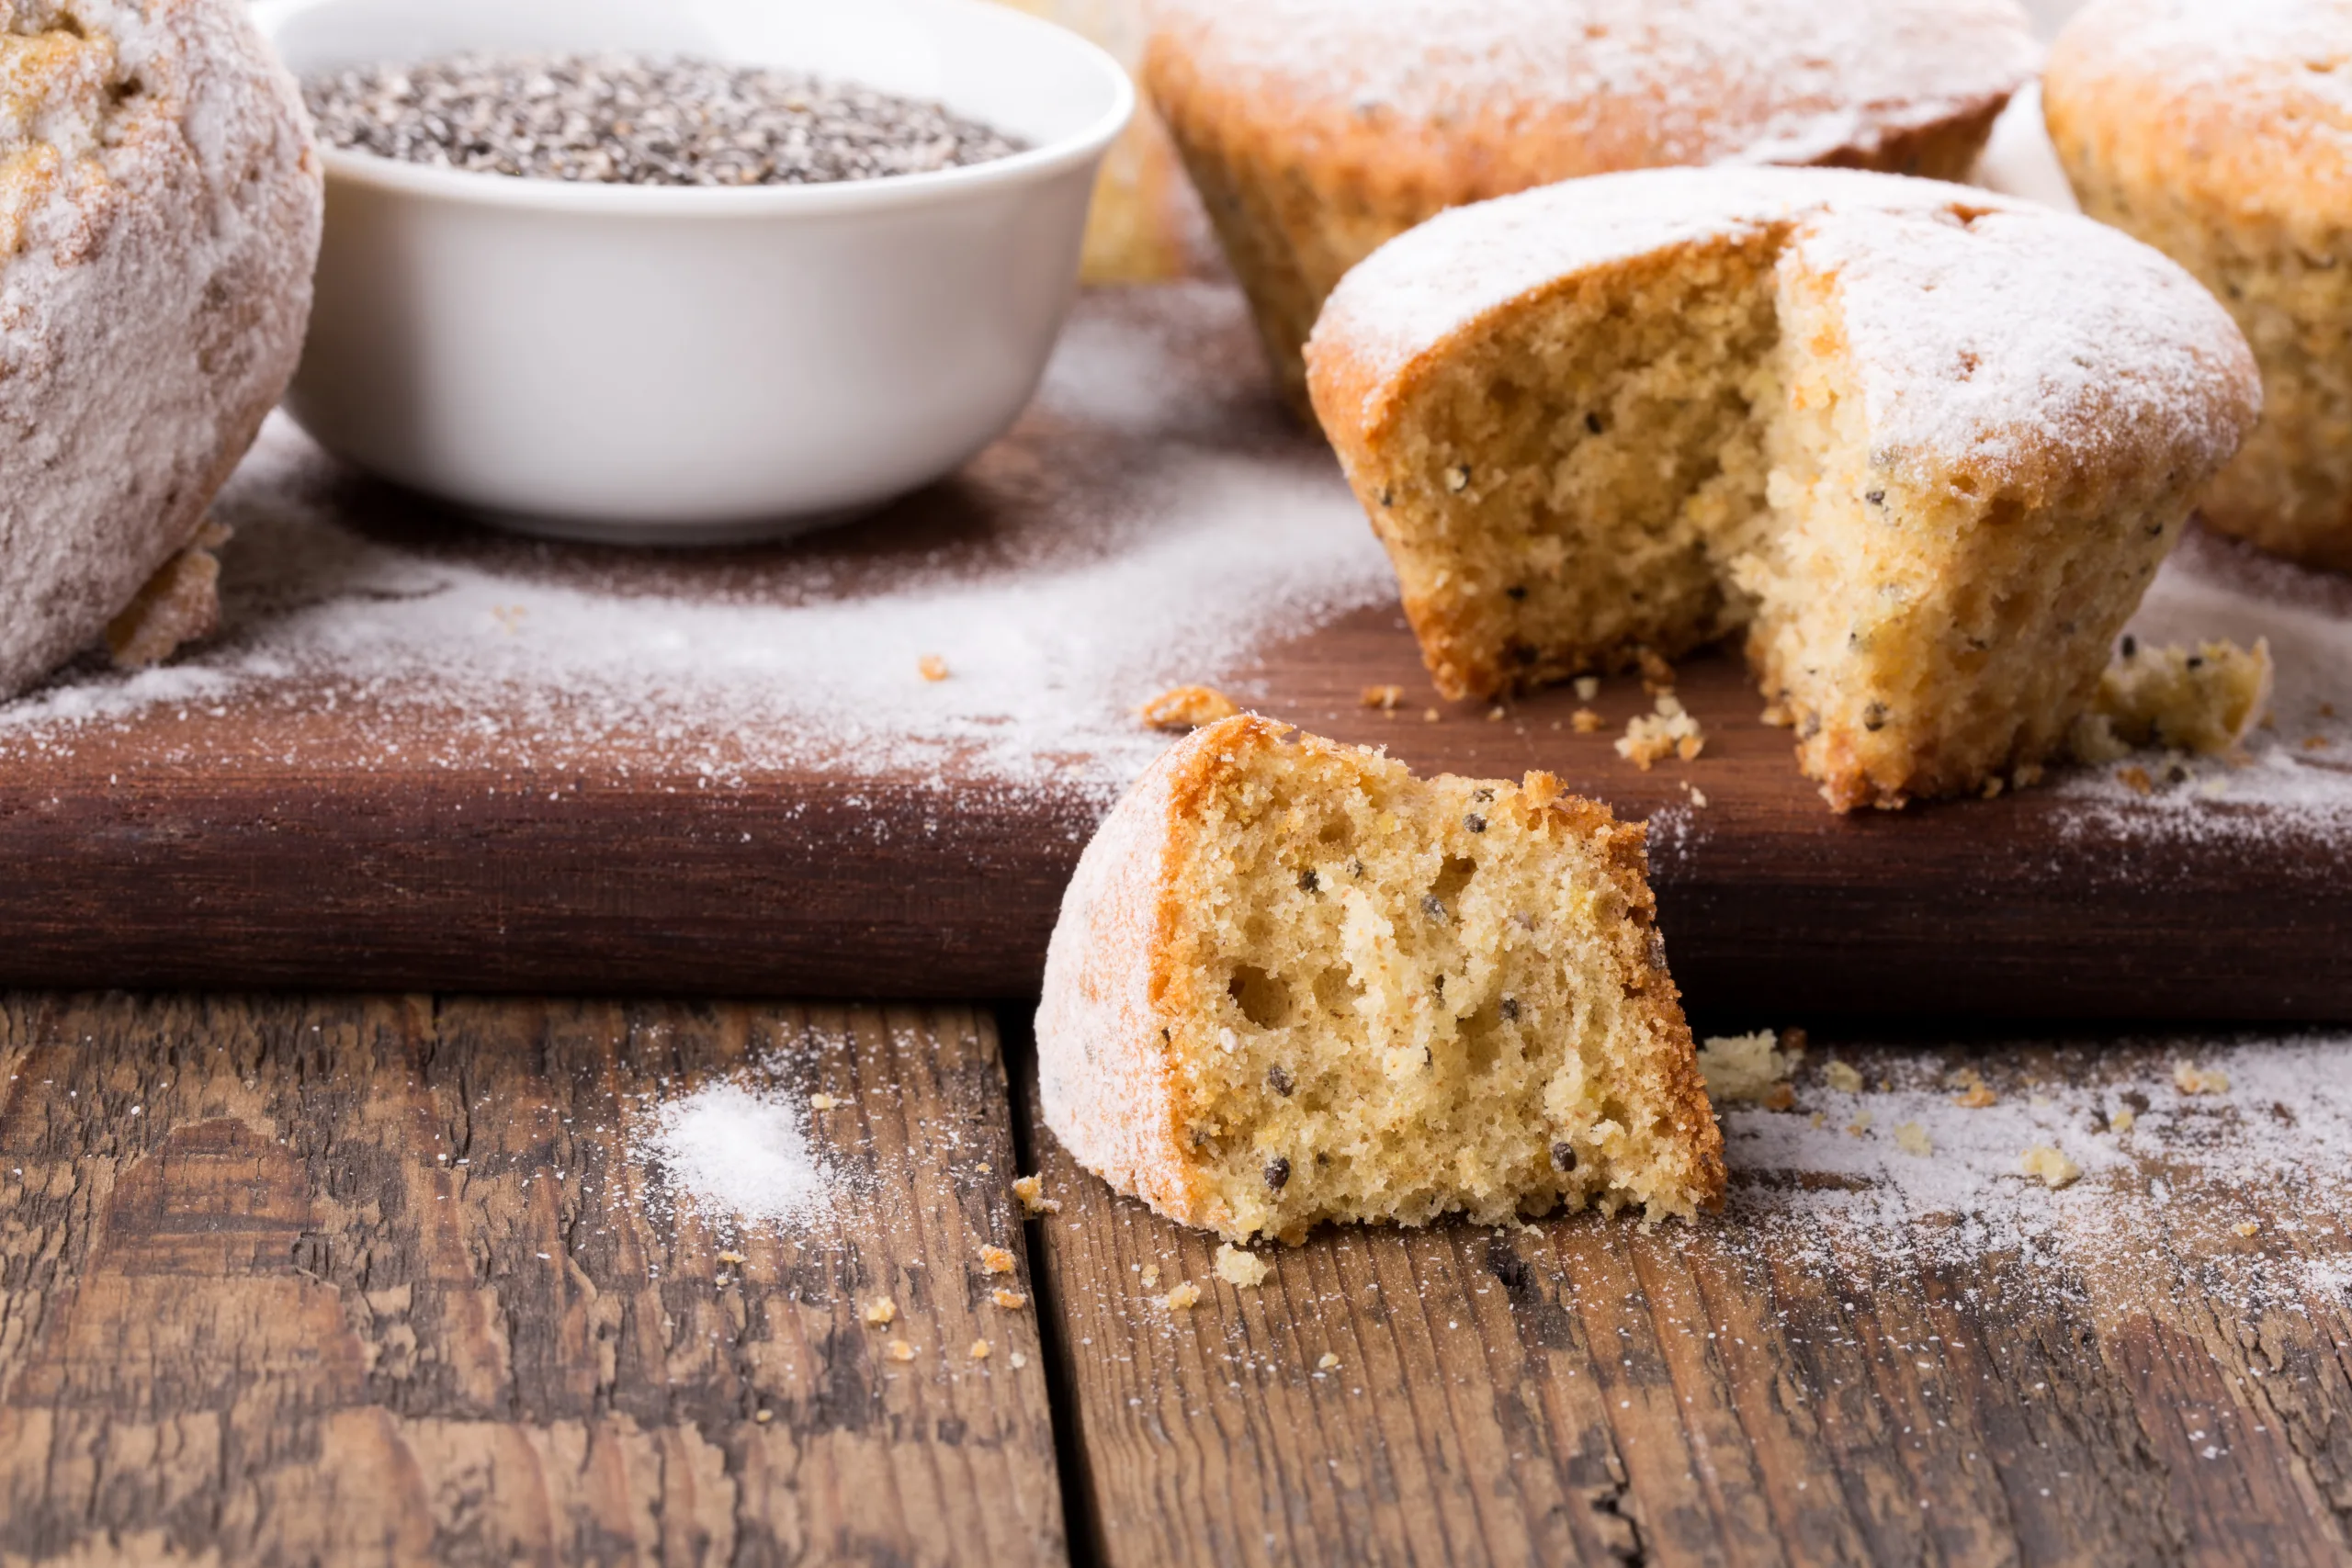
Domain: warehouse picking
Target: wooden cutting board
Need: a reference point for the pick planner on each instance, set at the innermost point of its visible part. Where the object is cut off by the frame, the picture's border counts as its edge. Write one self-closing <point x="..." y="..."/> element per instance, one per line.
<point x="261" y="817"/>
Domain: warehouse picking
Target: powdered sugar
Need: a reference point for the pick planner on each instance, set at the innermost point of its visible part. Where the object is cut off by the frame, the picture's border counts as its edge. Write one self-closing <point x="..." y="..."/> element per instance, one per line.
<point x="1144" y="530"/>
<point x="2270" y="1153"/>
<point x="1607" y="84"/>
<point x="1986" y="333"/>
<point x="739" y="1153"/>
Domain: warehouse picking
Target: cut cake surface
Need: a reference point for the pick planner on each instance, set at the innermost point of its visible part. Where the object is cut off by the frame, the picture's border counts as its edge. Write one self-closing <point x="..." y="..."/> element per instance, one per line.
<point x="1292" y="983"/>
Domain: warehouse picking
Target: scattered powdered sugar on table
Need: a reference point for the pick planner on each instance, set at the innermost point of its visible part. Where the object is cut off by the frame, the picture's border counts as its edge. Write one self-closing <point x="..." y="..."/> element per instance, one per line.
<point x="1151" y="525"/>
<point x="2179" y="1170"/>
<point x="740" y="1153"/>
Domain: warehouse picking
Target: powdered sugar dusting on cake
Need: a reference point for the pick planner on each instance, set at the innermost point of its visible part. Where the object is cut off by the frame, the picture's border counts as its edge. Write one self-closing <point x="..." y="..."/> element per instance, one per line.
<point x="1981" y="328"/>
<point x="1994" y="339"/>
<point x="1708" y="80"/>
<point x="2279" y="53"/>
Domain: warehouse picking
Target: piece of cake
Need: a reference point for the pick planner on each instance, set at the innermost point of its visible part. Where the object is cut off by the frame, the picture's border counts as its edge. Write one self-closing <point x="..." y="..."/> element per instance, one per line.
<point x="1292" y="983"/>
<point x="2218" y="133"/>
<point x="1316" y="129"/>
<point x="1924" y="445"/>
<point x="2202" y="700"/>
<point x="160" y="211"/>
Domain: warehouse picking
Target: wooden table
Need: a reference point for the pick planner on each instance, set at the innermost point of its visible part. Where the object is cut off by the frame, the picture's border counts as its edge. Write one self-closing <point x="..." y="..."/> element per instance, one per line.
<point x="382" y="1279"/>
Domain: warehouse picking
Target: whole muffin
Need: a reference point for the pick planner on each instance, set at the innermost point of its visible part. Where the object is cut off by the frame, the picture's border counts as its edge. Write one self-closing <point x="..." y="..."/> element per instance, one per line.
<point x="1318" y="130"/>
<point x="160" y="204"/>
<point x="2222" y="134"/>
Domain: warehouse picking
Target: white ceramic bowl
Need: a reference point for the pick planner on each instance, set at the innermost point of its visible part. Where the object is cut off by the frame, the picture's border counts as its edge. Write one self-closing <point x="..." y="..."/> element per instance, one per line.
<point x="684" y="365"/>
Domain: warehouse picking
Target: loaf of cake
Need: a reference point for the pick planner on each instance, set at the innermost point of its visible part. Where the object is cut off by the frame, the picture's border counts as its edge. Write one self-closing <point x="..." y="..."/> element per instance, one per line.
<point x="2219" y="133"/>
<point x="1924" y="445"/>
<point x="160" y="208"/>
<point x="1292" y="983"/>
<point x="1316" y="129"/>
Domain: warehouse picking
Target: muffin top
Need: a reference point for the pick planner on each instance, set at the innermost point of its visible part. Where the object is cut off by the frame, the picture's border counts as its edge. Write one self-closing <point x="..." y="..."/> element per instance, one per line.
<point x="1998" y="343"/>
<point x="1481" y="97"/>
<point x="2244" y="109"/>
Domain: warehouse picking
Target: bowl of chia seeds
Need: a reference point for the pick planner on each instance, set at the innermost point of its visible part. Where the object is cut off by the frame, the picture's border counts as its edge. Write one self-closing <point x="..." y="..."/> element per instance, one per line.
<point x="648" y="272"/>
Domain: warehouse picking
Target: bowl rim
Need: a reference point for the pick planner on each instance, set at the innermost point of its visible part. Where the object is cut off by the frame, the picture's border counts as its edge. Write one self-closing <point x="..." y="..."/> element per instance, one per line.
<point x="480" y="187"/>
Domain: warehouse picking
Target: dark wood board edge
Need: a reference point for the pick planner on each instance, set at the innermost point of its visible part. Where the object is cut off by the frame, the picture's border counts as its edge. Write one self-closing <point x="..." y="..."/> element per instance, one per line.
<point x="483" y="884"/>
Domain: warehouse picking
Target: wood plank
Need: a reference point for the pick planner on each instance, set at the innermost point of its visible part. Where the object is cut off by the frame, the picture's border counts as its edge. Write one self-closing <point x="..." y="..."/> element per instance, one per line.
<point x="387" y="1281"/>
<point x="322" y="829"/>
<point x="1740" y="1391"/>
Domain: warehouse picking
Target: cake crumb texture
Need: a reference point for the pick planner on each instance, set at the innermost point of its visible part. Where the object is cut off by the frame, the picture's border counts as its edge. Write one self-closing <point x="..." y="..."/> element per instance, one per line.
<point x="1292" y="983"/>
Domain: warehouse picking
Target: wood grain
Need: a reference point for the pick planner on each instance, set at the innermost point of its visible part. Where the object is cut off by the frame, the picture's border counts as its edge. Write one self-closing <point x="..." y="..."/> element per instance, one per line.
<point x="1583" y="1390"/>
<point x="274" y="839"/>
<point x="388" y="1281"/>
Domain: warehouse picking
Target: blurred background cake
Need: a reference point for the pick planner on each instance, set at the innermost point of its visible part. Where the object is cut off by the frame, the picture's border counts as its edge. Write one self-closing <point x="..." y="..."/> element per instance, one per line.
<point x="2218" y="133"/>
<point x="1317" y="130"/>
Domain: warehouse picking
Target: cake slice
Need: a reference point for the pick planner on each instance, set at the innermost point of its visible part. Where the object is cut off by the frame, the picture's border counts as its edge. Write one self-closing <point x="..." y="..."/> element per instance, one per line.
<point x="1292" y="983"/>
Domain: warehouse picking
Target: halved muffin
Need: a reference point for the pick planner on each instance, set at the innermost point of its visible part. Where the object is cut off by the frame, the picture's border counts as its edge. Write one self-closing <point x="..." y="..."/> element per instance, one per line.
<point x="1292" y="983"/>
<point x="1924" y="445"/>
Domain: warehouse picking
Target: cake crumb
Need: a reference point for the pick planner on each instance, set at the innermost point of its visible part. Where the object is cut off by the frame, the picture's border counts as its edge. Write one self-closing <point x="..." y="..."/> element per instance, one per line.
<point x="2251" y="1227"/>
<point x="1494" y="715"/>
<point x="1387" y="699"/>
<point x="1327" y="1362"/>
<point x="1746" y="1067"/>
<point x="179" y="604"/>
<point x="1588" y="688"/>
<point x="1011" y="1301"/>
<point x="1187" y="707"/>
<point x="1977" y="1099"/>
<point x="2123" y="1121"/>
<point x="735" y="1259"/>
<point x="1584" y="721"/>
<point x="2047" y="1166"/>
<point x="1842" y="1077"/>
<point x="2201" y="700"/>
<point x="1698" y="798"/>
<point x="996" y="1259"/>
<point x="1658" y="675"/>
<point x="1184" y="1298"/>
<point x="1151" y="1275"/>
<point x="1860" y="1124"/>
<point x="1239" y="1269"/>
<point x="1912" y="1139"/>
<point x="762" y="1416"/>
<point x="900" y="1350"/>
<point x="931" y="668"/>
<point x="880" y="1312"/>
<point x="1430" y="716"/>
<point x="979" y="1349"/>
<point x="1031" y="1191"/>
<point x="2190" y="1078"/>
<point x="822" y="1102"/>
<point x="1671" y="731"/>
<point x="1018" y="1361"/>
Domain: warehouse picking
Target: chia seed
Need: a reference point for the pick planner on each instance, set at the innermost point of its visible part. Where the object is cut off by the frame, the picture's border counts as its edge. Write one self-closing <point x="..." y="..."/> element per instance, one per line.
<point x="623" y="119"/>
